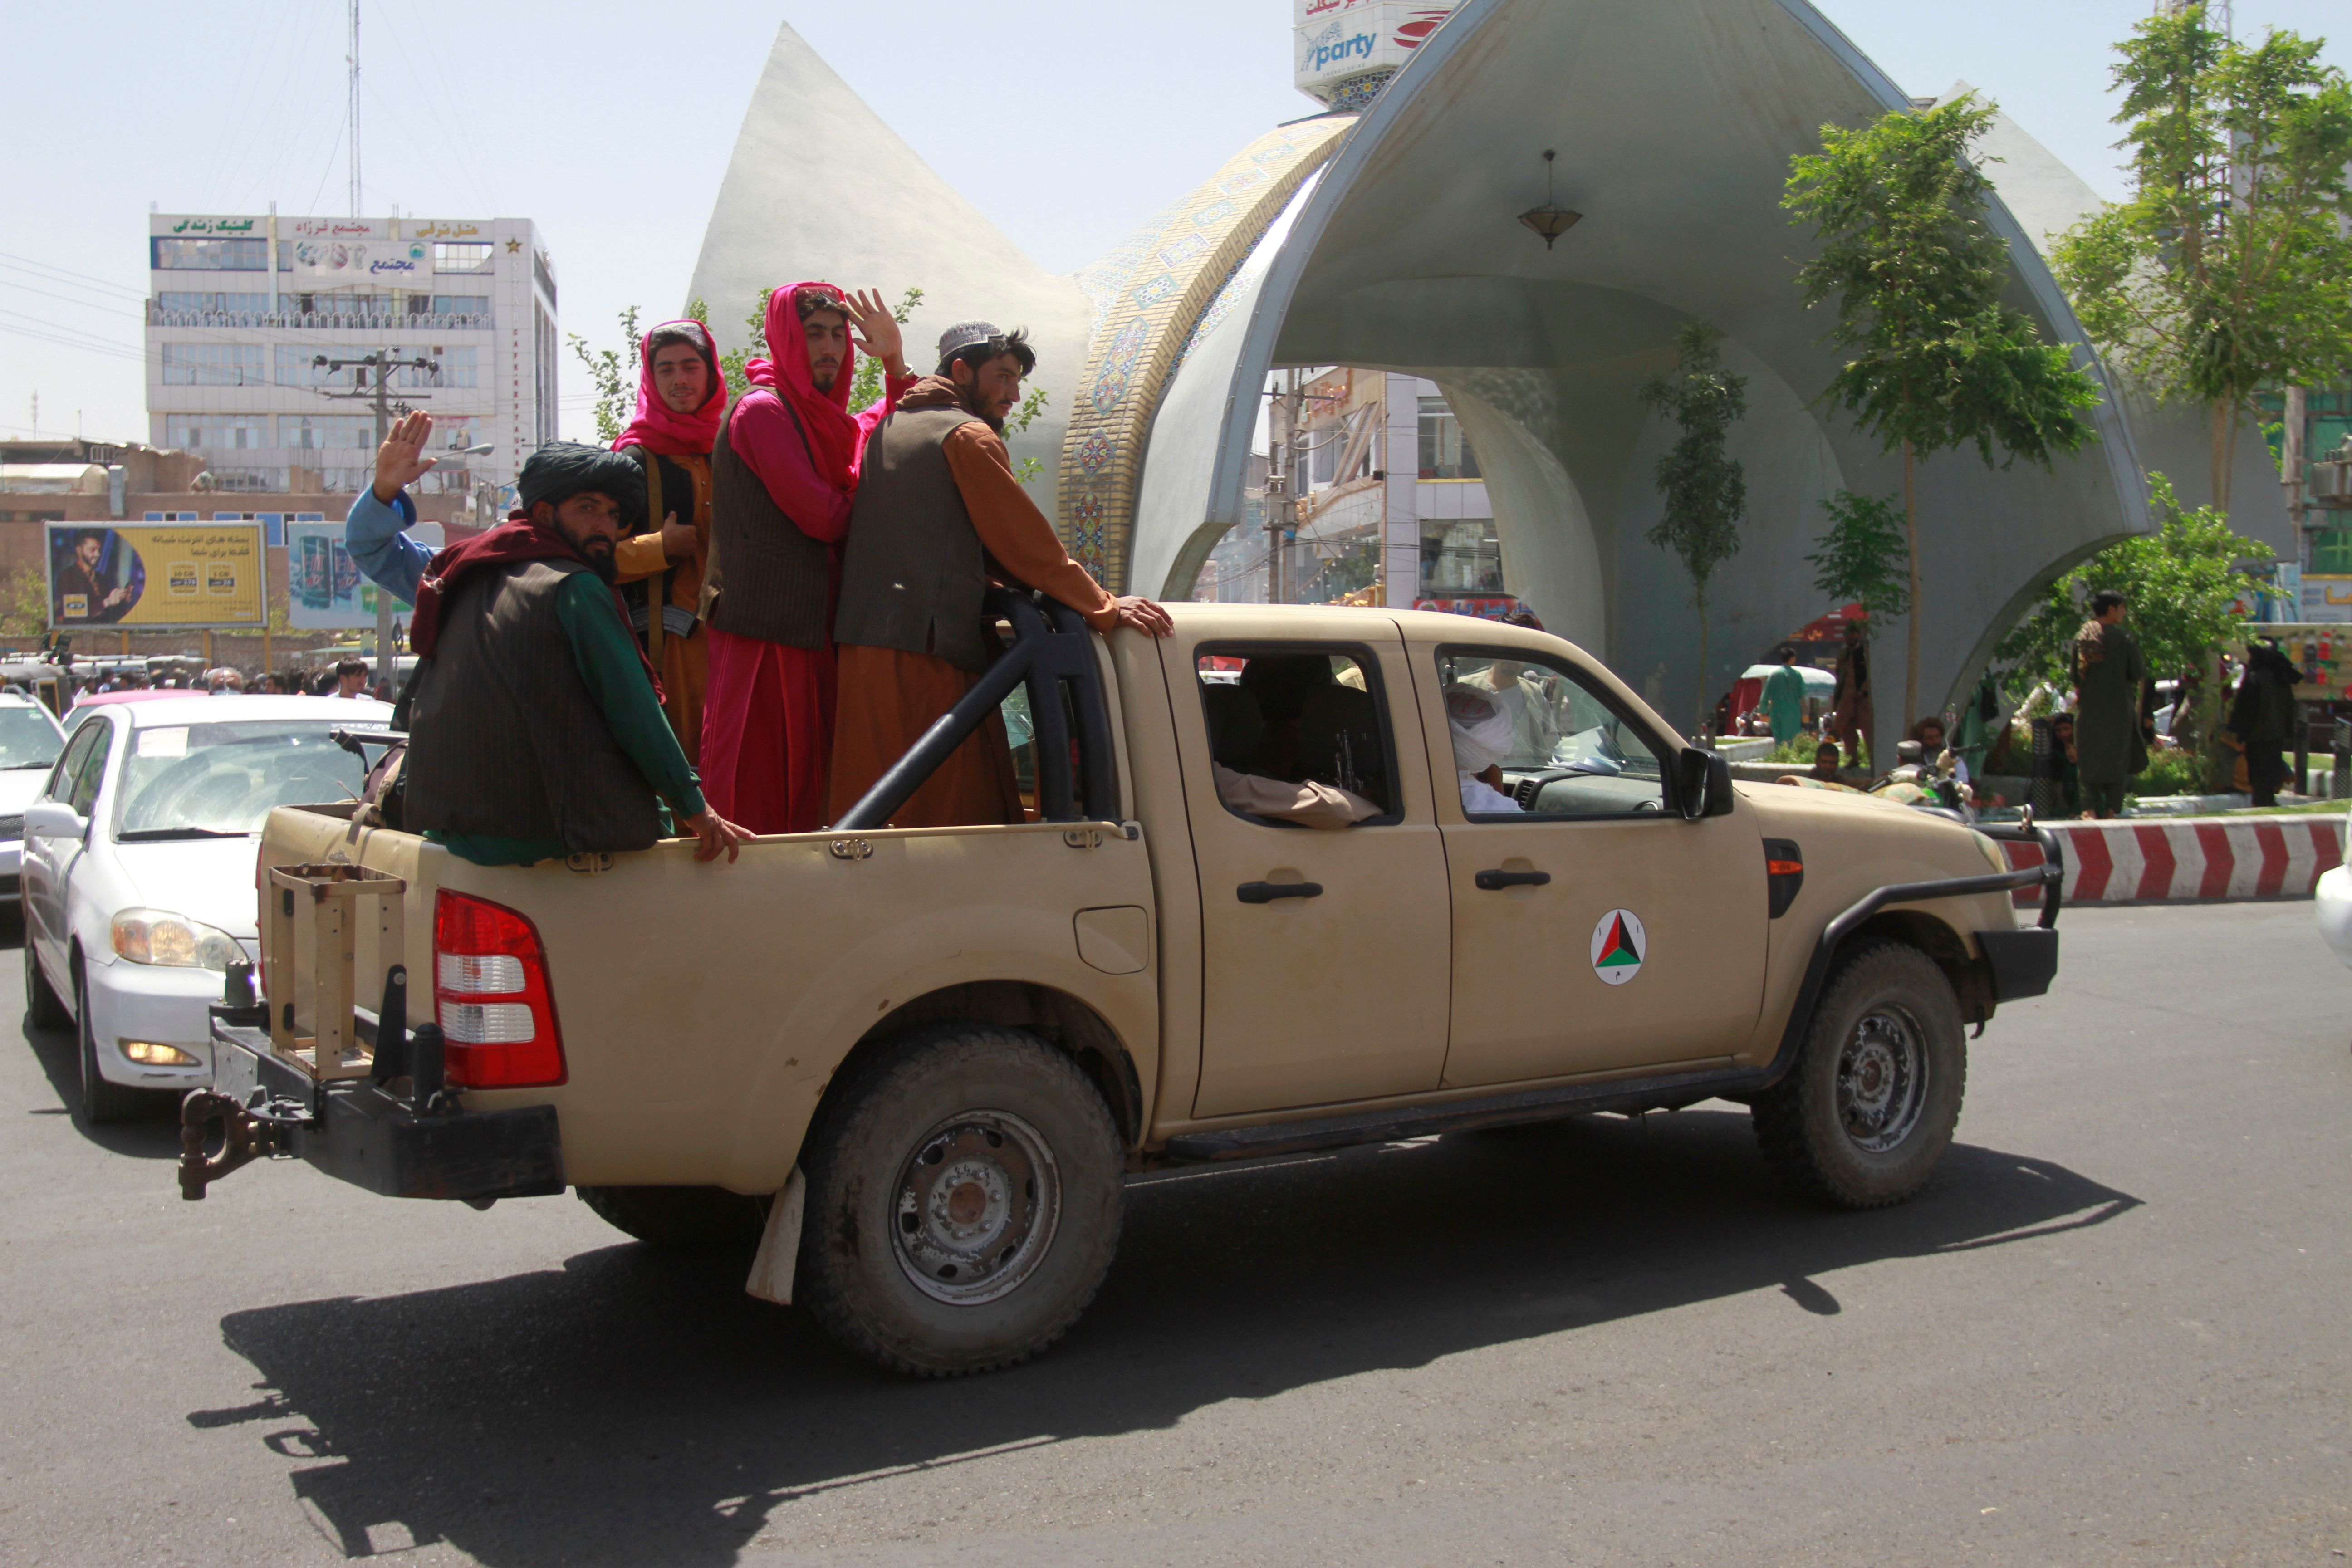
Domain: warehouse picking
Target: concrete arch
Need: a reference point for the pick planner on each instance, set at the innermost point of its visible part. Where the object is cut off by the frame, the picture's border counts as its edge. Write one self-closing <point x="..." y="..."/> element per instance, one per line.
<point x="1674" y="122"/>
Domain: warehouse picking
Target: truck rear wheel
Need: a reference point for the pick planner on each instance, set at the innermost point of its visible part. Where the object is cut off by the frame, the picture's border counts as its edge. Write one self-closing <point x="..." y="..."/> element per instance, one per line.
<point x="1870" y="1105"/>
<point x="964" y="1201"/>
<point x="680" y="1217"/>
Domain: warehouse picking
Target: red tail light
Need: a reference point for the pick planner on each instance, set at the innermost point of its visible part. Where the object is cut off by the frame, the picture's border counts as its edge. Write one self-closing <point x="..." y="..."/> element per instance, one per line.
<point x="490" y="996"/>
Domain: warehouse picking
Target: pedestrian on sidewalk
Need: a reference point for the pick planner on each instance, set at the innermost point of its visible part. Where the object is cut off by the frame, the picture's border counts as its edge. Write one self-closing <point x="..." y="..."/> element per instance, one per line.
<point x="2110" y="745"/>
<point x="2263" y="717"/>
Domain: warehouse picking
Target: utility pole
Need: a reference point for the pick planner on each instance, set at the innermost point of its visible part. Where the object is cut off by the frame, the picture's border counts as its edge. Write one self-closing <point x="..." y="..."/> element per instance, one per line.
<point x="383" y="363"/>
<point x="2292" y="459"/>
<point x="352" y="60"/>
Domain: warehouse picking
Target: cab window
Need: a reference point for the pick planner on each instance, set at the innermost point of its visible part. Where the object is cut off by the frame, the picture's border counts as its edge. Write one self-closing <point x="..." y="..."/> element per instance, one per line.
<point x="1285" y="715"/>
<point x="1532" y="737"/>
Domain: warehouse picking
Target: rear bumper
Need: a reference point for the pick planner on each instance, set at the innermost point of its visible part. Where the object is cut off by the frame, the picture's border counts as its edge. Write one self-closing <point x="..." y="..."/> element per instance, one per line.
<point x="359" y="1133"/>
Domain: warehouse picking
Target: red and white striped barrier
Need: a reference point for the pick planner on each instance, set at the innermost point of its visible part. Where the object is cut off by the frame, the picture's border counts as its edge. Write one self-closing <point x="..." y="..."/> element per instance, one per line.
<point x="2200" y="858"/>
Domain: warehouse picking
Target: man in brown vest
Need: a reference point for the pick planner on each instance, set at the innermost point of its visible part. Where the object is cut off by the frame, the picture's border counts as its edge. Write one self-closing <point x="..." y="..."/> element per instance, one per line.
<point x="536" y="729"/>
<point x="938" y="515"/>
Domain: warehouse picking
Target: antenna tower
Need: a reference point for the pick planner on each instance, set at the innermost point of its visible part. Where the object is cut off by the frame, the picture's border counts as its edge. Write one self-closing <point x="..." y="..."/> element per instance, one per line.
<point x="353" y="59"/>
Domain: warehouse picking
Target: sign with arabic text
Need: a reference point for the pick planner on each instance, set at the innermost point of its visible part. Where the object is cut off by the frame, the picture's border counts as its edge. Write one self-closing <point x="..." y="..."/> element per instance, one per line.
<point x="180" y="575"/>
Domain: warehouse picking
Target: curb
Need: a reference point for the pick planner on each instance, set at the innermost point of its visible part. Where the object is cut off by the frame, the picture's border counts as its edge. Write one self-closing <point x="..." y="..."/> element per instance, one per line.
<point x="2197" y="859"/>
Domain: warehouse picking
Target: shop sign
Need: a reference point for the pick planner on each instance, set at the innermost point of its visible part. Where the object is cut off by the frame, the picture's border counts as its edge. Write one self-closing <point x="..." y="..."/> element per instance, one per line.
<point x="213" y="226"/>
<point x="2326" y="600"/>
<point x="180" y="574"/>
<point x="1334" y="39"/>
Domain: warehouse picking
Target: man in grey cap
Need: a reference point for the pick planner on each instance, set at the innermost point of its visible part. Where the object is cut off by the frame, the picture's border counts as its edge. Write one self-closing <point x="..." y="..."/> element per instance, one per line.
<point x="938" y="516"/>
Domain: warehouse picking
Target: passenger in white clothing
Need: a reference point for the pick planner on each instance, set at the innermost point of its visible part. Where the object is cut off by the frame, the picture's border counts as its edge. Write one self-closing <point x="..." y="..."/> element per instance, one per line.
<point x="1481" y="732"/>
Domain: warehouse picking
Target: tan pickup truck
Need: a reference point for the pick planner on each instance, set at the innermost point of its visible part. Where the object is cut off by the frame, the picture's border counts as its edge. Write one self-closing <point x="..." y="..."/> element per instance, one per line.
<point x="914" y="1066"/>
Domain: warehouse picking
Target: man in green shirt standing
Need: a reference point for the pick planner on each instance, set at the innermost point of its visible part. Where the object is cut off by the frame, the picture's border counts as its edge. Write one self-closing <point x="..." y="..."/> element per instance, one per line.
<point x="1783" y="700"/>
<point x="536" y="729"/>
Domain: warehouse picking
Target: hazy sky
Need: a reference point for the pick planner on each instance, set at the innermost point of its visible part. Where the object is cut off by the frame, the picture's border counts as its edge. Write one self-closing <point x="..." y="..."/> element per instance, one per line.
<point x="1067" y="123"/>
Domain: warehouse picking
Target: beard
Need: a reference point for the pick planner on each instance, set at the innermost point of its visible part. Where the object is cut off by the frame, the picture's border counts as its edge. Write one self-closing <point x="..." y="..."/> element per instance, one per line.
<point x="969" y="398"/>
<point x="598" y="555"/>
<point x="823" y="376"/>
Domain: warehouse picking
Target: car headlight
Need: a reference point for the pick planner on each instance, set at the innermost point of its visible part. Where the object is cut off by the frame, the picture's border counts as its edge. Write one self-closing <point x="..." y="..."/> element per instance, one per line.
<point x="158" y="936"/>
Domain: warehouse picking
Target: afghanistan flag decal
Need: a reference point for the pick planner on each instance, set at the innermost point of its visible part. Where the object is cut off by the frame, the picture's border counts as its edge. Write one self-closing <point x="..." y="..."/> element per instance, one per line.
<point x="1619" y="947"/>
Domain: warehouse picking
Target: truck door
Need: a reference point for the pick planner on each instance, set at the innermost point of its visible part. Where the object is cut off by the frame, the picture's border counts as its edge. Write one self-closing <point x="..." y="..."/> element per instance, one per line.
<point x="1323" y="951"/>
<point x="1594" y="929"/>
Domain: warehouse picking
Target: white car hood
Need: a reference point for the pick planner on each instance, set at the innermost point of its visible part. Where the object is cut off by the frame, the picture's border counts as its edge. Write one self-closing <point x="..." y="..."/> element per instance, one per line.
<point x="207" y="879"/>
<point x="19" y="788"/>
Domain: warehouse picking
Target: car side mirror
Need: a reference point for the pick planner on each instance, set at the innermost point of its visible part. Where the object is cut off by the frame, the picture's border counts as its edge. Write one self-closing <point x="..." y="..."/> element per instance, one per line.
<point x="1702" y="784"/>
<point x="55" y="819"/>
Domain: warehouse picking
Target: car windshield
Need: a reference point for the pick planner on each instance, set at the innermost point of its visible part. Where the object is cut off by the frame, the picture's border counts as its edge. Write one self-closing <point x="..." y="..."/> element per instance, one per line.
<point x="28" y="739"/>
<point x="206" y="781"/>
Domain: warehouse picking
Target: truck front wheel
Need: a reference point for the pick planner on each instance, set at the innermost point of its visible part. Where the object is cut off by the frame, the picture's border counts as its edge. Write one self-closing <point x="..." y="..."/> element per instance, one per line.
<point x="1872" y="1099"/>
<point x="964" y="1201"/>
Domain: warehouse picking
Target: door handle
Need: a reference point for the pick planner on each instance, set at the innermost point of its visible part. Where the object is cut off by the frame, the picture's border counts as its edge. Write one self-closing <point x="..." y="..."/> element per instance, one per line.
<point x="1492" y="881"/>
<point x="1267" y="892"/>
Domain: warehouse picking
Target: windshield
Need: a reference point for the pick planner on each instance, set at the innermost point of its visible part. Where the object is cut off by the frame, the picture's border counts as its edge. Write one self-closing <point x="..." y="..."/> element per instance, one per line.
<point x="202" y="781"/>
<point x="28" y="739"/>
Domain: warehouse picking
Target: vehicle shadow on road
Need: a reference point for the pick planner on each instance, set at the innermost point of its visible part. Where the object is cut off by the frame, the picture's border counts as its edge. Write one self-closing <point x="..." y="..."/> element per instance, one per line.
<point x="638" y="1406"/>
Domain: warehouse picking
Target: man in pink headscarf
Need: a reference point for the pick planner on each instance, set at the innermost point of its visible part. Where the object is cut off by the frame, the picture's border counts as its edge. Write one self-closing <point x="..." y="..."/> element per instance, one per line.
<point x="681" y="398"/>
<point x="783" y="473"/>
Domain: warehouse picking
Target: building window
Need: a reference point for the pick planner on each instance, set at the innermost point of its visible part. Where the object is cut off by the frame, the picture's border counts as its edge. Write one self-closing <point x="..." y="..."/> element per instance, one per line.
<point x="1444" y="451"/>
<point x="1460" y="557"/>
<point x="212" y="365"/>
<point x="216" y="432"/>
<point x="2331" y="553"/>
<point x="462" y="256"/>
<point x="179" y="299"/>
<point x="209" y="255"/>
<point x="460" y="304"/>
<point x="326" y="432"/>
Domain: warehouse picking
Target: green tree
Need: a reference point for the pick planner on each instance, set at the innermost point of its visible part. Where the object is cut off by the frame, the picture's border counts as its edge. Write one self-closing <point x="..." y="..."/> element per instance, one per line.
<point x="2183" y="585"/>
<point x="613" y="376"/>
<point x="1936" y="359"/>
<point x="23" y="602"/>
<point x="1861" y="558"/>
<point x="2225" y="271"/>
<point x="1704" y="488"/>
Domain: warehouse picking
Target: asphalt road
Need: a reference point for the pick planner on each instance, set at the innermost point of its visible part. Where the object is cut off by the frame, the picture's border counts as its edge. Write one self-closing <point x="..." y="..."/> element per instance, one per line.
<point x="2114" y="1331"/>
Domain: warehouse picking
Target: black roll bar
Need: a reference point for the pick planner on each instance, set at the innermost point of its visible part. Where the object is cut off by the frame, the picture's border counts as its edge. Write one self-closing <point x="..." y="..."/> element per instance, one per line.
<point x="1050" y="653"/>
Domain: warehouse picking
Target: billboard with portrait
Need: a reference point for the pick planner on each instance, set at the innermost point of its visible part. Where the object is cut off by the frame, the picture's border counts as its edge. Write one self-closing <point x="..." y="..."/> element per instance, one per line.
<point x="324" y="589"/>
<point x="178" y="575"/>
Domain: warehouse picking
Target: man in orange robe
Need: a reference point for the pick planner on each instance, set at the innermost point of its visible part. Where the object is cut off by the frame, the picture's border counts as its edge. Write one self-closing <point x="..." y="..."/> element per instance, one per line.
<point x="937" y="517"/>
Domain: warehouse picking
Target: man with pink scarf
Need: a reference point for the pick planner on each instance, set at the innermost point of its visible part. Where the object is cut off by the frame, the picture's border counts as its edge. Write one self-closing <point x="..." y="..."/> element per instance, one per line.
<point x="783" y="473"/>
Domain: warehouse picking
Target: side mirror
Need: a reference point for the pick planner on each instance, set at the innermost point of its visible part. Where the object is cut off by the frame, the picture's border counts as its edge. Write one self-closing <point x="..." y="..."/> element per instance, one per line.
<point x="1702" y="784"/>
<point x="55" y="819"/>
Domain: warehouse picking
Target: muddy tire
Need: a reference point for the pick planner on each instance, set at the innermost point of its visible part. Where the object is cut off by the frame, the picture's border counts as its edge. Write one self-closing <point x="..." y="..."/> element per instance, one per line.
<point x="43" y="1008"/>
<point x="681" y="1219"/>
<point x="1872" y="1101"/>
<point x="965" y="1193"/>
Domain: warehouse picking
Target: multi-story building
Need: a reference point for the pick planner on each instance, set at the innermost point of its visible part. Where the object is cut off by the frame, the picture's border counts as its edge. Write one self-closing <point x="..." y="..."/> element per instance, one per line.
<point x="248" y="314"/>
<point x="1390" y="501"/>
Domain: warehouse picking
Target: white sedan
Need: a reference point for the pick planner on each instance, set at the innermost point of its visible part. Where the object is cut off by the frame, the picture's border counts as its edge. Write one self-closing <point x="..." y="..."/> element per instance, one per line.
<point x="2333" y="898"/>
<point x="139" y="873"/>
<point x="30" y="741"/>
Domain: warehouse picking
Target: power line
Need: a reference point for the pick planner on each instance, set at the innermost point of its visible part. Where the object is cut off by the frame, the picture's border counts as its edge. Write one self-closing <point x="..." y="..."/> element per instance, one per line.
<point x="26" y="263"/>
<point x="111" y="352"/>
